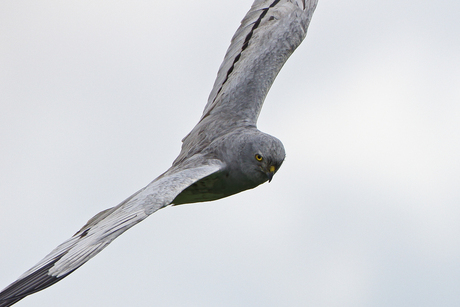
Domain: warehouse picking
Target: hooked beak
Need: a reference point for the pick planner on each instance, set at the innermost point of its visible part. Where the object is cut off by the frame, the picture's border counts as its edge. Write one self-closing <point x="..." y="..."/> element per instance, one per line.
<point x="270" y="173"/>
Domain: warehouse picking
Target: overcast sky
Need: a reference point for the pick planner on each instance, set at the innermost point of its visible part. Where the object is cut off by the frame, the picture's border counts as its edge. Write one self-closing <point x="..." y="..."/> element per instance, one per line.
<point x="96" y="95"/>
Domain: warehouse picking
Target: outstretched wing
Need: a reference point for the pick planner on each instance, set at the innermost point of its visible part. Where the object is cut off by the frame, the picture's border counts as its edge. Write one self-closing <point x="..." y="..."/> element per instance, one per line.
<point x="103" y="229"/>
<point x="267" y="36"/>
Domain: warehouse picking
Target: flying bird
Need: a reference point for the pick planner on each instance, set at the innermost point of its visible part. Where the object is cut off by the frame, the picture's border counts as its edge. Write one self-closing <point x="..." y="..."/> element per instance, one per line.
<point x="224" y="154"/>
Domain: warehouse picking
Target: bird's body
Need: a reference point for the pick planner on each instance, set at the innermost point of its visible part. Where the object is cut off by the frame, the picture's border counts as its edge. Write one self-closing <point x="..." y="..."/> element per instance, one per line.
<point x="224" y="154"/>
<point x="235" y="176"/>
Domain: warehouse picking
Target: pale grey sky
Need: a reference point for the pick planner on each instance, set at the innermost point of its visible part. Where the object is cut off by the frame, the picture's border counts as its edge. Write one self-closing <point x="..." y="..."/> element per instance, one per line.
<point x="96" y="95"/>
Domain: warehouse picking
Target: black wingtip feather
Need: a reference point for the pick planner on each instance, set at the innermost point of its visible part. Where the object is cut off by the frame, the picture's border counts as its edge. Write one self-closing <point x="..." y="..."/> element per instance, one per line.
<point x="30" y="284"/>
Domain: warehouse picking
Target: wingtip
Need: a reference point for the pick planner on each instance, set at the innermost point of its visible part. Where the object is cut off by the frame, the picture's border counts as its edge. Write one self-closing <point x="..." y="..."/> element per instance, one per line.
<point x="34" y="282"/>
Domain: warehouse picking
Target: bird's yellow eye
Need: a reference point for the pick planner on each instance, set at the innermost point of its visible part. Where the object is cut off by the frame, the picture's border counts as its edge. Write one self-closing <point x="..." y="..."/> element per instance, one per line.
<point x="259" y="157"/>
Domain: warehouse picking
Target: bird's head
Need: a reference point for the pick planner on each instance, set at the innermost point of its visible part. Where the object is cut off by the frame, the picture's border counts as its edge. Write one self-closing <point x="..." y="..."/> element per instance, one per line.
<point x="261" y="156"/>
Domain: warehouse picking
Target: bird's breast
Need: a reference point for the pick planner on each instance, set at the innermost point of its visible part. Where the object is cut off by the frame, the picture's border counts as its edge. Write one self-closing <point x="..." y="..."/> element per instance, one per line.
<point x="212" y="187"/>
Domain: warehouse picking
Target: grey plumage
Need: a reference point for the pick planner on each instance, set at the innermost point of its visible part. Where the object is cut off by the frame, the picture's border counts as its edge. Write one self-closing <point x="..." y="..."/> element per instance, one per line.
<point x="224" y="153"/>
